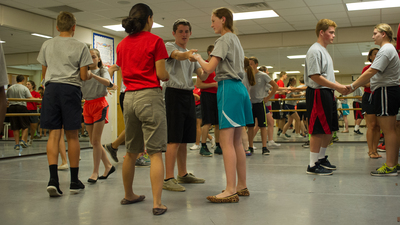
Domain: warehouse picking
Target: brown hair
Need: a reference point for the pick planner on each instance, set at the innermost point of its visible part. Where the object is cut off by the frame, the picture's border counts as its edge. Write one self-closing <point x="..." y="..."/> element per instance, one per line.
<point x="20" y="78"/>
<point x="324" y="24"/>
<point x="210" y="48"/>
<point x="100" y="63"/>
<point x="33" y="84"/>
<point x="254" y="59"/>
<point x="263" y="69"/>
<point x="137" y="19"/>
<point x="301" y="80"/>
<point x="282" y="73"/>
<point x="65" y="21"/>
<point x="370" y="53"/>
<point x="249" y="71"/>
<point x="227" y="13"/>
<point x="181" y="22"/>
<point x="385" y="28"/>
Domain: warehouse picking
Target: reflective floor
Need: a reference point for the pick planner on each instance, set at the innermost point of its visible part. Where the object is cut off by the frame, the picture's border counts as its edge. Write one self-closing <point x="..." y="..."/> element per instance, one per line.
<point x="281" y="192"/>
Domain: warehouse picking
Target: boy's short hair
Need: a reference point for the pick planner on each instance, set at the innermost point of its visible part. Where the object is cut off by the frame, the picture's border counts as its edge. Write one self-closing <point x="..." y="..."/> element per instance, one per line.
<point x="20" y="78"/>
<point x="210" y="48"/>
<point x="181" y="22"/>
<point x="254" y="59"/>
<point x="65" y="21"/>
<point x="324" y="24"/>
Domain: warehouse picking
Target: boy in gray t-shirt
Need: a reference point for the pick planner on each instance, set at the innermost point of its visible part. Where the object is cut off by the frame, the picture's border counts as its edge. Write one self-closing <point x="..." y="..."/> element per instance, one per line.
<point x="64" y="66"/>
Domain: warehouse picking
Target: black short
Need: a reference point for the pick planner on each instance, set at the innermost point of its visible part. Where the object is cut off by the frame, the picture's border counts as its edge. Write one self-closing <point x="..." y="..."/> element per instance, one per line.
<point x="290" y="107"/>
<point x="61" y="105"/>
<point x="33" y="119"/>
<point x="302" y="115"/>
<point x="367" y="107"/>
<point x="357" y="113"/>
<point x="321" y="111"/>
<point x="209" y="108"/>
<point x="121" y="101"/>
<point x="259" y="113"/>
<point x="198" y="111"/>
<point x="181" y="115"/>
<point x="386" y="101"/>
<point x="277" y="105"/>
<point x="18" y="122"/>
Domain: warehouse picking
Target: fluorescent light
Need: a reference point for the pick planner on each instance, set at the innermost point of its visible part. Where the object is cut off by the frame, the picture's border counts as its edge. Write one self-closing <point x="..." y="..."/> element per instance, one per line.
<point x="2" y="42"/>
<point x="290" y="72"/>
<point x="336" y="71"/>
<point x="268" y="67"/>
<point x="119" y="27"/>
<point x="303" y="65"/>
<point x="41" y="35"/>
<point x="367" y="63"/>
<point x="373" y="5"/>
<point x="364" y="53"/>
<point x="255" y="15"/>
<point x="296" y="56"/>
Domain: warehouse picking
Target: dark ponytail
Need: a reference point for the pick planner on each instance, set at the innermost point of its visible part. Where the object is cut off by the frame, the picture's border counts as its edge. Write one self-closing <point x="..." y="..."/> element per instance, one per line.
<point x="137" y="18"/>
<point x="249" y="71"/>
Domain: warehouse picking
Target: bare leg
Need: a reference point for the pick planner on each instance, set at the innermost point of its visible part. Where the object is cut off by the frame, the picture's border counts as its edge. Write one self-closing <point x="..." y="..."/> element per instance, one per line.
<point x="52" y="146"/>
<point x="245" y="139"/>
<point x="120" y="139"/>
<point x="319" y="140"/>
<point x="346" y="123"/>
<point x="204" y="132"/>
<point x="373" y="133"/>
<point x="181" y="159"/>
<point x="264" y="136"/>
<point x="270" y="122"/>
<point x="287" y="125"/>
<point x="216" y="133"/>
<point x="16" y="136"/>
<point x="128" y="173"/>
<point x="25" y="135"/>
<point x="74" y="148"/>
<point x="33" y="127"/>
<point x="156" y="178"/>
<point x="250" y="136"/>
<point x="61" y="148"/>
<point x="170" y="159"/>
<point x="388" y="125"/>
<point x="198" y="131"/>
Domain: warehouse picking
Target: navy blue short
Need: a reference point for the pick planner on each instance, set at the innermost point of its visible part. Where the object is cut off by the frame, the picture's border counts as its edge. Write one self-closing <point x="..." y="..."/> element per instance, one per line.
<point x="61" y="105"/>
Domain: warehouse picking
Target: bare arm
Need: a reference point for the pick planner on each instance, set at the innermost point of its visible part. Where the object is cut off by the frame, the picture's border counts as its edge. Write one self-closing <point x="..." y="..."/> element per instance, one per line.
<point x="210" y="66"/>
<point x="85" y="74"/>
<point x="196" y="97"/>
<point x="162" y="73"/>
<point x="317" y="78"/>
<point x="200" y="84"/>
<point x="101" y="80"/>
<point x="44" y="69"/>
<point x="178" y="55"/>
<point x="364" y="78"/>
<point x="112" y="69"/>
<point x="202" y="74"/>
<point x="272" y="92"/>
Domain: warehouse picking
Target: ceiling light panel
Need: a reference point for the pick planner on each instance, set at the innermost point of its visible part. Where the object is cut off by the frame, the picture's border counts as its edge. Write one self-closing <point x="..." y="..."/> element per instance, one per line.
<point x="255" y="15"/>
<point x="373" y="5"/>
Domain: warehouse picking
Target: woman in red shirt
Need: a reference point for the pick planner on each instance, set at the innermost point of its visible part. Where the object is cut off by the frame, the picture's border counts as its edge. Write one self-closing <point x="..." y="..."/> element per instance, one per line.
<point x="373" y="129"/>
<point x="32" y="108"/>
<point x="141" y="56"/>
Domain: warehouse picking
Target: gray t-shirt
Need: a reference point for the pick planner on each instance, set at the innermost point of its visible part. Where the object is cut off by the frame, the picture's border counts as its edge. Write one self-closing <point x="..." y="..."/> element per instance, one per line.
<point x="344" y="101"/>
<point x="318" y="61"/>
<point x="18" y="91"/>
<point x="92" y="89"/>
<point x="258" y="91"/>
<point x="357" y="92"/>
<point x="229" y="49"/>
<point x="388" y="64"/>
<point x="3" y="70"/>
<point x="302" y="92"/>
<point x="180" y="72"/>
<point x="288" y="96"/>
<point x="63" y="57"/>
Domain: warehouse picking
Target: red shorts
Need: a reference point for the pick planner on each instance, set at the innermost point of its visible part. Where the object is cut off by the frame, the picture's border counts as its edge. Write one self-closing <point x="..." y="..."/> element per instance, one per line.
<point x="95" y="110"/>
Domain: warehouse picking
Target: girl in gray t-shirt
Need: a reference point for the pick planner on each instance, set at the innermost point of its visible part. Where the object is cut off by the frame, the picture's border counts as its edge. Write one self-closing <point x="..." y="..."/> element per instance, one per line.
<point x="234" y="107"/>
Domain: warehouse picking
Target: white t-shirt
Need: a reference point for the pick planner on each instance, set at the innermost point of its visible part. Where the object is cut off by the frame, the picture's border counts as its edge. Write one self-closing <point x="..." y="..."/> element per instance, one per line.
<point x="388" y="65"/>
<point x="318" y="61"/>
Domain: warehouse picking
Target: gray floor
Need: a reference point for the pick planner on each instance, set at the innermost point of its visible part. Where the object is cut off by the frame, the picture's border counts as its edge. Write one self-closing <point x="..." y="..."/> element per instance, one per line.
<point x="281" y="192"/>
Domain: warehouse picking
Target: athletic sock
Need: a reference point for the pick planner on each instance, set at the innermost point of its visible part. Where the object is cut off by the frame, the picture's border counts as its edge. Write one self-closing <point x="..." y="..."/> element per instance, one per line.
<point x="356" y="127"/>
<point x="53" y="172"/>
<point x="74" y="174"/>
<point x="322" y="153"/>
<point x="217" y="144"/>
<point x="203" y="144"/>
<point x="313" y="158"/>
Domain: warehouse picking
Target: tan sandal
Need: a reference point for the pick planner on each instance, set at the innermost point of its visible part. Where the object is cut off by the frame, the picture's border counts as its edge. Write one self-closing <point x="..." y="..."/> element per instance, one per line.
<point x="374" y="155"/>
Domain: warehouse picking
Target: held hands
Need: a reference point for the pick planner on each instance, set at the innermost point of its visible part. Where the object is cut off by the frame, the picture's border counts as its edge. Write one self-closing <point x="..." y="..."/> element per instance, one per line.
<point x="196" y="57"/>
<point x="191" y="55"/>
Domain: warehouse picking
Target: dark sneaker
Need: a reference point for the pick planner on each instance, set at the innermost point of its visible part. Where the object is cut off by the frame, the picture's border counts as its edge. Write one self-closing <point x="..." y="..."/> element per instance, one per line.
<point x="397" y="168"/>
<point x="306" y="145"/>
<point x="335" y="139"/>
<point x="112" y="151"/>
<point x="53" y="188"/>
<point x="326" y="164"/>
<point x="279" y="132"/>
<point x="251" y="149"/>
<point x="385" y="171"/>
<point x="358" y="132"/>
<point x="23" y="144"/>
<point x="318" y="170"/>
<point x="287" y="136"/>
<point x="218" y="150"/>
<point x="265" y="151"/>
<point x="76" y="187"/>
<point x="205" y="152"/>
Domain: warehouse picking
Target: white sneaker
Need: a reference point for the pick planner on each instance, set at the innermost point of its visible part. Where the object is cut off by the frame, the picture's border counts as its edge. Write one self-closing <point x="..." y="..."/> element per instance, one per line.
<point x="273" y="144"/>
<point x="63" y="167"/>
<point x="254" y="147"/>
<point x="213" y="142"/>
<point x="30" y="142"/>
<point x="195" y="147"/>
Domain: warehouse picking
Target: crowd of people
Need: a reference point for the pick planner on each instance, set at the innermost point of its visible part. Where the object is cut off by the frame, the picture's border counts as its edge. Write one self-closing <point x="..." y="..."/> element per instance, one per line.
<point x="234" y="96"/>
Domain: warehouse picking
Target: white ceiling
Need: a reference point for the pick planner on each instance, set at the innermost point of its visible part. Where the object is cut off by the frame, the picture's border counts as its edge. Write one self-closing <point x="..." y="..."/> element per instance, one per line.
<point x="294" y="15"/>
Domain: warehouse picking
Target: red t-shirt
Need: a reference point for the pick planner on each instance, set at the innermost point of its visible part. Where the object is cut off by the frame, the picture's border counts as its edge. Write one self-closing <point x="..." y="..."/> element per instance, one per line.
<point x="197" y="91"/>
<point x="33" y="105"/>
<point x="210" y="79"/>
<point x="280" y="84"/>
<point x="366" y="89"/>
<point x="137" y="55"/>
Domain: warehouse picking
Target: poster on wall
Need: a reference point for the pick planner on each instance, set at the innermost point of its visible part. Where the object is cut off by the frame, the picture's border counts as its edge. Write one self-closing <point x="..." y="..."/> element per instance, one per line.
<point x="105" y="45"/>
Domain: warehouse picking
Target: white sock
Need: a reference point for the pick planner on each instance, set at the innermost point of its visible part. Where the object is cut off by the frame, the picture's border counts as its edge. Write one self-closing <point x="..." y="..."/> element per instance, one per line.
<point x="322" y="153"/>
<point x="356" y="127"/>
<point x="313" y="158"/>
